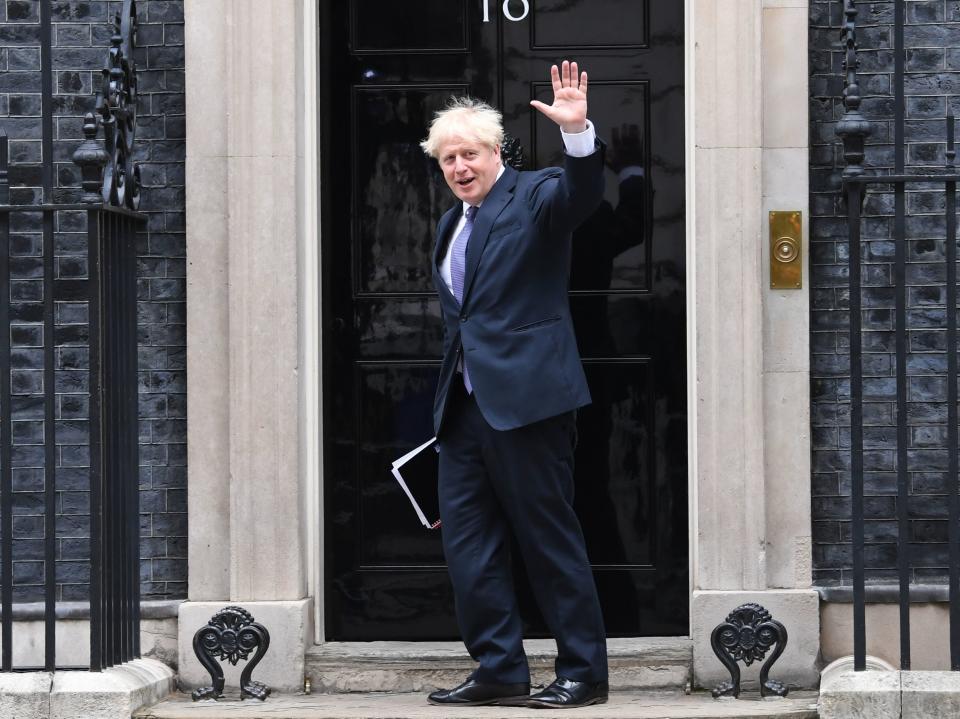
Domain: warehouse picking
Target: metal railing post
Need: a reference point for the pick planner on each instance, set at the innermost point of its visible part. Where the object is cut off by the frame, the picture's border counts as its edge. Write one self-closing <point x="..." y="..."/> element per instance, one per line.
<point x="6" y="475"/>
<point x="854" y="129"/>
<point x="899" y="272"/>
<point x="952" y="481"/>
<point x="49" y="350"/>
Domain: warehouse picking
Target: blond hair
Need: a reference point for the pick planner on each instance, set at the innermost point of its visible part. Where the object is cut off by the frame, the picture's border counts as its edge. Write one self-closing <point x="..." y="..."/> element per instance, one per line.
<point x="467" y="119"/>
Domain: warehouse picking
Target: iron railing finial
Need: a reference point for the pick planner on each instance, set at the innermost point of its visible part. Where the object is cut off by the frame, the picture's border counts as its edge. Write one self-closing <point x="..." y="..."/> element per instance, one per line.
<point x="853" y="128"/>
<point x="112" y="169"/>
<point x="91" y="158"/>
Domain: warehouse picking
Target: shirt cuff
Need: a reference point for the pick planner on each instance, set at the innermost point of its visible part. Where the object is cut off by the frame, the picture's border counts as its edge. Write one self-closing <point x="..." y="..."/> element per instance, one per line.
<point x="580" y="144"/>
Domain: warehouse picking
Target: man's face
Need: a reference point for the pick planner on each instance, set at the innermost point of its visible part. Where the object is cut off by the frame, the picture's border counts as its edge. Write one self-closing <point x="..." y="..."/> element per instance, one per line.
<point x="469" y="168"/>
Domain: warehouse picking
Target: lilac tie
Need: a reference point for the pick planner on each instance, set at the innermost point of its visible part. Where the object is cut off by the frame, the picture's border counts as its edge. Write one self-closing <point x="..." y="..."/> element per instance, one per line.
<point x="458" y="260"/>
<point x="458" y="267"/>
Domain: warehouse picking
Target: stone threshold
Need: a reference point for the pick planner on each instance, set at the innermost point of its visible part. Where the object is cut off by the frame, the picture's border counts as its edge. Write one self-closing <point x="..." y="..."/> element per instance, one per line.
<point x="636" y="664"/>
<point x="675" y="648"/>
<point x="622" y="705"/>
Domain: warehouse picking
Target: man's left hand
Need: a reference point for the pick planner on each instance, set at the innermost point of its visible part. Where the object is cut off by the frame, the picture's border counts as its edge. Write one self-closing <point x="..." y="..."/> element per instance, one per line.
<point x="569" y="109"/>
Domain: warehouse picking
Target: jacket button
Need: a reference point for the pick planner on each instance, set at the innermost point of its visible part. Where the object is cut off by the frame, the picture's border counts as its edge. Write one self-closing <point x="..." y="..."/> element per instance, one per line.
<point x="463" y="318"/>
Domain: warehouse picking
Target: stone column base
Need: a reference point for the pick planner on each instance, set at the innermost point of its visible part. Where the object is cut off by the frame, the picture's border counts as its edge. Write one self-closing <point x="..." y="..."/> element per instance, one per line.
<point x="797" y="609"/>
<point x="290" y="624"/>
<point x="863" y="695"/>
<point x="114" y="693"/>
<point x="890" y="695"/>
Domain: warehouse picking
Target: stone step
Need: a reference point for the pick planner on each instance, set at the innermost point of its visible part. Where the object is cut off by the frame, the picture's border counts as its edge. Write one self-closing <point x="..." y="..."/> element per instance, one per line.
<point x="636" y="664"/>
<point x="622" y="705"/>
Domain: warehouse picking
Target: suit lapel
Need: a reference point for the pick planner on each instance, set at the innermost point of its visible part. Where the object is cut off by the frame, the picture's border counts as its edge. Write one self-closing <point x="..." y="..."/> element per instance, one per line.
<point x="494" y="203"/>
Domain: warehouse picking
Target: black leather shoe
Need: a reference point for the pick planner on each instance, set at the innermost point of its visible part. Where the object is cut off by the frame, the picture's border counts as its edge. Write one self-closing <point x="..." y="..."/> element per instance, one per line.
<point x="473" y="693"/>
<point x="567" y="694"/>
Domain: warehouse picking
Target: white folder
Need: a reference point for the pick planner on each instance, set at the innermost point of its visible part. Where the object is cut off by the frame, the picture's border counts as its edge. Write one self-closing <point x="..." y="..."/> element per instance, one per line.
<point x="422" y="490"/>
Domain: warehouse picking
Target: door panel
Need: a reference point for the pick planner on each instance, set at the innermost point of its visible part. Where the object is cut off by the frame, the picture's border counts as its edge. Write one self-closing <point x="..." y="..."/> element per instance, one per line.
<point x="387" y="67"/>
<point x="614" y="443"/>
<point x="560" y="25"/>
<point x="397" y="198"/>
<point x="396" y="399"/>
<point x="387" y="26"/>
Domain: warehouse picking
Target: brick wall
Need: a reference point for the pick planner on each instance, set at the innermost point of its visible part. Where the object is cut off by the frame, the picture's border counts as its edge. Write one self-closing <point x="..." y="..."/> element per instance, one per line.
<point x="81" y="39"/>
<point x="932" y="38"/>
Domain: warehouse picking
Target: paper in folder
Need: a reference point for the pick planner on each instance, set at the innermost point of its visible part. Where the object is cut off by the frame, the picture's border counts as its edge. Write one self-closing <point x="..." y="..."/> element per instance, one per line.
<point x="417" y="472"/>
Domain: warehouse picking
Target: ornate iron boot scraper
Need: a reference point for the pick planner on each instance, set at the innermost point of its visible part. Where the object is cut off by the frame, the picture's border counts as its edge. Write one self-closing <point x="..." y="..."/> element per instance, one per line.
<point x="747" y="634"/>
<point x="231" y="634"/>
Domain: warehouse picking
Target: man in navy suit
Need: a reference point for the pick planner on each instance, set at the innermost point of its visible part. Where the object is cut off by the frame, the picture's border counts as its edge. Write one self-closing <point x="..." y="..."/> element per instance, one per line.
<point x="510" y="384"/>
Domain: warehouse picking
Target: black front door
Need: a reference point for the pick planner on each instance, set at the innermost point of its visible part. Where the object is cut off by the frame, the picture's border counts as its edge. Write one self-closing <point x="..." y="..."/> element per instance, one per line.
<point x="386" y="67"/>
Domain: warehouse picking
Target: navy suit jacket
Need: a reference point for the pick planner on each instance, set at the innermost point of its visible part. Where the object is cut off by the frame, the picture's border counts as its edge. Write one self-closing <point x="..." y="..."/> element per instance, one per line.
<point x="514" y="328"/>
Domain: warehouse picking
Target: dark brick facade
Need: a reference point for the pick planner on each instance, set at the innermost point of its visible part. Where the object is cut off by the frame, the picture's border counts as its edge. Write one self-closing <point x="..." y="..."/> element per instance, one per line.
<point x="81" y="38"/>
<point x="932" y="39"/>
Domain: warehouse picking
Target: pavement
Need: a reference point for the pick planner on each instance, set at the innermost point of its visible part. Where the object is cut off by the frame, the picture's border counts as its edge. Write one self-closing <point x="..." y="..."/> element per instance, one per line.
<point x="382" y="705"/>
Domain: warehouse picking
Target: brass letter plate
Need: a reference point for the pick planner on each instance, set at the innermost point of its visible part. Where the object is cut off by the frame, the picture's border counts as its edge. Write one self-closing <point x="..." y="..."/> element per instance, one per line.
<point x="786" y="256"/>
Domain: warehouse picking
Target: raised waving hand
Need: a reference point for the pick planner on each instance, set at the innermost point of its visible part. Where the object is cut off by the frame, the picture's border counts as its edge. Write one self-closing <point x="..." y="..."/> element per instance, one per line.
<point x="569" y="108"/>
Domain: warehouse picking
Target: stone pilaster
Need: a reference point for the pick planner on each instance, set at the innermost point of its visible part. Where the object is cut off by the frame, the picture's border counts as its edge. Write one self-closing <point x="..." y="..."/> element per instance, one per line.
<point x="248" y="221"/>
<point x="750" y="397"/>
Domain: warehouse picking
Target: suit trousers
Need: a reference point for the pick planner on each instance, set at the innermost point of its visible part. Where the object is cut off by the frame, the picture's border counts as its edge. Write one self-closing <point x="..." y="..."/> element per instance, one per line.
<point x="520" y="481"/>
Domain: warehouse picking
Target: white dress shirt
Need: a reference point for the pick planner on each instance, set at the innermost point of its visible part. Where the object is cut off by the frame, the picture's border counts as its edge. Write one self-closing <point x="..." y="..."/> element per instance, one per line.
<point x="579" y="144"/>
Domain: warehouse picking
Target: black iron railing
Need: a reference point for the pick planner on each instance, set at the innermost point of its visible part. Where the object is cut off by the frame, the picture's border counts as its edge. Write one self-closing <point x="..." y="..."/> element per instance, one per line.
<point x="854" y="129"/>
<point x="109" y="204"/>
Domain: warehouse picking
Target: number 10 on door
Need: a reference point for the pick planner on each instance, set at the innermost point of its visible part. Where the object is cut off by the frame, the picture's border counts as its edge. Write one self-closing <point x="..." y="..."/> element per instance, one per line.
<point x="506" y="10"/>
